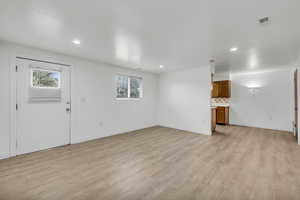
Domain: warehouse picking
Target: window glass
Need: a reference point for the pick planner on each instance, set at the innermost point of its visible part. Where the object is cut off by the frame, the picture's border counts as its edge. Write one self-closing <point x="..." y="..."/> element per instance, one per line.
<point x="135" y="87"/>
<point x="45" y="79"/>
<point x="122" y="87"/>
<point x="129" y="87"/>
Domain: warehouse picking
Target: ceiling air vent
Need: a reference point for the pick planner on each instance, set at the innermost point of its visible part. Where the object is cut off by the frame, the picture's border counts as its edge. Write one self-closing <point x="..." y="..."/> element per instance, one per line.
<point x="264" y="20"/>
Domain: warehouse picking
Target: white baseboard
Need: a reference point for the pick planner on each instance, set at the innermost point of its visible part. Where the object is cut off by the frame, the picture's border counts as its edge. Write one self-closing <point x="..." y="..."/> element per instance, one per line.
<point x="86" y="139"/>
<point x="4" y="155"/>
<point x="188" y="130"/>
<point x="252" y="126"/>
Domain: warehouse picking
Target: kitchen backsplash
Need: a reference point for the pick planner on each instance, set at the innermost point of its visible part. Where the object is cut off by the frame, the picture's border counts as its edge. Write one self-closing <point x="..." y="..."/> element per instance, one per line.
<point x="220" y="101"/>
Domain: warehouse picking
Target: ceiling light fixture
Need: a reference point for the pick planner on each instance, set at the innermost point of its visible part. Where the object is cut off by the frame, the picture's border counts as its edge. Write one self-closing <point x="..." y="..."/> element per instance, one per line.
<point x="264" y="20"/>
<point x="76" y="42"/>
<point x="233" y="49"/>
<point x="161" y="66"/>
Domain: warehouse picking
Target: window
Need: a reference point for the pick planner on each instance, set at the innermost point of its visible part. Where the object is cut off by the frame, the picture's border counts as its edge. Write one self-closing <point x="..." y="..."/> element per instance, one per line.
<point x="41" y="78"/>
<point x="122" y="87"/>
<point x="135" y="87"/>
<point x="45" y="85"/>
<point x="129" y="87"/>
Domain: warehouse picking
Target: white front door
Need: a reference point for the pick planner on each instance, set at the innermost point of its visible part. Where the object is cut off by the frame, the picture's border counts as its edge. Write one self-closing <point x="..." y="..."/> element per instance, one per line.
<point x="43" y="106"/>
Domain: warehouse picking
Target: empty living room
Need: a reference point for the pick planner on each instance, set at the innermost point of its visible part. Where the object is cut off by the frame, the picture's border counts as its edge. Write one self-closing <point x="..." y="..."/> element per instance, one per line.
<point x="149" y="100"/>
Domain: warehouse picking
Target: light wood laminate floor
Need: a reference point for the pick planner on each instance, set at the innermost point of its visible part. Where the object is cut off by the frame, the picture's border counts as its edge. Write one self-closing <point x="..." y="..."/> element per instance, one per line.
<point x="160" y="164"/>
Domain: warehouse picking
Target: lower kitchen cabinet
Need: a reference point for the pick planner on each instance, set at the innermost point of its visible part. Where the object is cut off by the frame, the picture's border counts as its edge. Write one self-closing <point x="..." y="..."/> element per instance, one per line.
<point x="222" y="115"/>
<point x="213" y="119"/>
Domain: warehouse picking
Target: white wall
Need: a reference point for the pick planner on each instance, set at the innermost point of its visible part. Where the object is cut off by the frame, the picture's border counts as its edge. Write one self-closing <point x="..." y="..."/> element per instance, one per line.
<point x="96" y="103"/>
<point x="96" y="113"/>
<point x="184" y="100"/>
<point x="270" y="106"/>
<point x="4" y="103"/>
<point x="221" y="76"/>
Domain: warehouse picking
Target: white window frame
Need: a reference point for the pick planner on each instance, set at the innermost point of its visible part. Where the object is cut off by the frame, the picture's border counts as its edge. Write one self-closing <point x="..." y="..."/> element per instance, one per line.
<point x="45" y="70"/>
<point x="128" y="85"/>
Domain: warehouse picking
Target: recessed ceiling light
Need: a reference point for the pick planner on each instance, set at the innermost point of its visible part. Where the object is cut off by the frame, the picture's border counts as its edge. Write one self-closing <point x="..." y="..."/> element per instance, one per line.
<point x="76" y="42"/>
<point x="233" y="49"/>
<point x="161" y="66"/>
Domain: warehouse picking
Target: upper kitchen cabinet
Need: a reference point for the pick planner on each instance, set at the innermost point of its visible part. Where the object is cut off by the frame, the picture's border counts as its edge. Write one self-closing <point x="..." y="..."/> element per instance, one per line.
<point x="221" y="89"/>
<point x="225" y="89"/>
<point x="215" y="90"/>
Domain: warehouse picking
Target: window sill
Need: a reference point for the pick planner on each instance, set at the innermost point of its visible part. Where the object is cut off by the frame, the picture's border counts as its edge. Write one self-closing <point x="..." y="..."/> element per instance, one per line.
<point x="129" y="99"/>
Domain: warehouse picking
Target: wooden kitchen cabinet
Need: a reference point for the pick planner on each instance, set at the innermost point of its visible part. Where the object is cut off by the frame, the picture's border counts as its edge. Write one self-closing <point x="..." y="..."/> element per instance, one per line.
<point x="225" y="89"/>
<point x="222" y="115"/>
<point x="213" y="119"/>
<point x="221" y="89"/>
<point x="215" y="90"/>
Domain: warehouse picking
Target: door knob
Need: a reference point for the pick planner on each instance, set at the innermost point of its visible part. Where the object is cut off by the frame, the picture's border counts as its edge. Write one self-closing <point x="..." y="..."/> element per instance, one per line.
<point x="68" y="109"/>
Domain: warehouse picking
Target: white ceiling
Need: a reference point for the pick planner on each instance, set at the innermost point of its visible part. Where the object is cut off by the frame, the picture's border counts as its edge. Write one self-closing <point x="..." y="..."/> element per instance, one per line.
<point x="146" y="34"/>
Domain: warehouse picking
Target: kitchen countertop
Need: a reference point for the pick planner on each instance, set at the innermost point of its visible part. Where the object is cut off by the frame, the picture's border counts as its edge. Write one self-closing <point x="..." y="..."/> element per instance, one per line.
<point x="219" y="105"/>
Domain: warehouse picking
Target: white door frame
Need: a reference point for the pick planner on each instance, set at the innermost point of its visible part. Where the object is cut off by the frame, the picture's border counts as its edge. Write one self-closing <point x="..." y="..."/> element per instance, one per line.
<point x="13" y="97"/>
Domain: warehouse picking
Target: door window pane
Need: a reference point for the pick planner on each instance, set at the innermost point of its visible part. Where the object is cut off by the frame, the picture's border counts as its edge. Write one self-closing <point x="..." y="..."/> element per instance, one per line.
<point x="45" y="79"/>
<point x="122" y="87"/>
